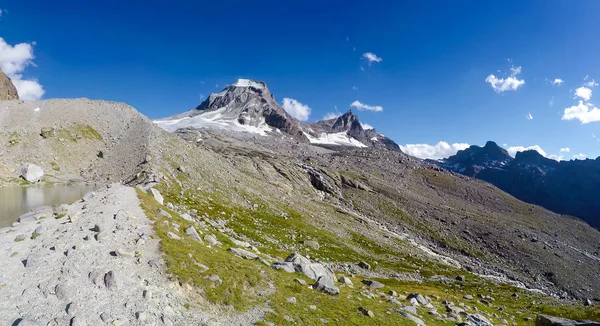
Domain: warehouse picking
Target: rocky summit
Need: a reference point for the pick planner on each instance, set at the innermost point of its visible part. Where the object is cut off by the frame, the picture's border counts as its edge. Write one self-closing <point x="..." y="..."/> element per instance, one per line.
<point x="565" y="187"/>
<point x="8" y="91"/>
<point x="235" y="213"/>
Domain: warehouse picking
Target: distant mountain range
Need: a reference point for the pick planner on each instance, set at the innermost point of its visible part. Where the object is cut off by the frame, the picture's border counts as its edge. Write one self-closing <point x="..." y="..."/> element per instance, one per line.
<point x="249" y="106"/>
<point x="565" y="187"/>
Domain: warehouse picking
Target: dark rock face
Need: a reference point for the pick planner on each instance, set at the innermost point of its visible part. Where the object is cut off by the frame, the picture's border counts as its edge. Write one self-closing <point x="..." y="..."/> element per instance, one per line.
<point x="8" y="91"/>
<point x="349" y="123"/>
<point x="251" y="103"/>
<point x="566" y="187"/>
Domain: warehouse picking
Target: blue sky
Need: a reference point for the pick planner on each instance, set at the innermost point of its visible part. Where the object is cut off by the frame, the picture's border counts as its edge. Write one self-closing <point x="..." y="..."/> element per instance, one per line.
<point x="160" y="57"/>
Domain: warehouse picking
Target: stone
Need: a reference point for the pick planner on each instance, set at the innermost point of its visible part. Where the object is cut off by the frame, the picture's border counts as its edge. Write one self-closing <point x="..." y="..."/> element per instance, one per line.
<point x="47" y="132"/>
<point x="187" y="217"/>
<point x="460" y="278"/>
<point x="40" y="230"/>
<point x="420" y="298"/>
<point x="164" y="213"/>
<point x="477" y="320"/>
<point x="297" y="259"/>
<point x="416" y="320"/>
<point x="364" y="265"/>
<point x="112" y="280"/>
<point x="191" y="232"/>
<point x="97" y="228"/>
<point x="392" y="293"/>
<point x="157" y="196"/>
<point x="300" y="281"/>
<point x="63" y="292"/>
<point x="346" y="281"/>
<point x="124" y="253"/>
<point x="409" y="309"/>
<point x="106" y="317"/>
<point x="31" y="172"/>
<point x="366" y="312"/>
<point x="212" y="240"/>
<point x="312" y="307"/>
<point x="100" y="236"/>
<point x="141" y="316"/>
<point x="243" y="253"/>
<point x="239" y="243"/>
<point x="291" y="300"/>
<point x="72" y="309"/>
<point x="33" y="260"/>
<point x="287" y="267"/>
<point x="215" y="278"/>
<point x="88" y="196"/>
<point x="311" y="243"/>
<point x="21" y="237"/>
<point x="203" y="267"/>
<point x="373" y="284"/>
<point x="587" y="302"/>
<point x="468" y="297"/>
<point x="545" y="320"/>
<point x="166" y="321"/>
<point x="156" y="262"/>
<point x="325" y="284"/>
<point x="36" y="214"/>
<point x="173" y="236"/>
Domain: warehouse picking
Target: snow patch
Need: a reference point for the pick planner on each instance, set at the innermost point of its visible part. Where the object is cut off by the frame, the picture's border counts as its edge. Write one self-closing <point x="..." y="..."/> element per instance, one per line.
<point x="248" y="83"/>
<point x="340" y="138"/>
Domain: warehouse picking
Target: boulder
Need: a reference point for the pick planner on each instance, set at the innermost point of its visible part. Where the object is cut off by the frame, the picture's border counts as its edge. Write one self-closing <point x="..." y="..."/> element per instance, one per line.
<point x="315" y="271"/>
<point x="408" y="316"/>
<point x="243" y="253"/>
<point x="31" y="172"/>
<point x="477" y="320"/>
<point x="192" y="233"/>
<point x="420" y="298"/>
<point x="47" y="132"/>
<point x="325" y="284"/>
<point x="364" y="265"/>
<point x="157" y="196"/>
<point x="286" y="266"/>
<point x="373" y="284"/>
<point x="545" y="320"/>
<point x="311" y="243"/>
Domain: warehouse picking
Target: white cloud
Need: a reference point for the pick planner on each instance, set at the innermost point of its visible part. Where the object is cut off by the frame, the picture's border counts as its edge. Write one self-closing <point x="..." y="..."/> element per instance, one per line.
<point x="13" y="61"/>
<point x="354" y="87"/>
<point x="331" y="115"/>
<point x="436" y="152"/>
<point x="372" y="57"/>
<point x="557" y="82"/>
<point x="556" y="157"/>
<point x="529" y="116"/>
<point x="513" y="150"/>
<point x="584" y="93"/>
<point x="551" y="102"/>
<point x="366" y="126"/>
<point x="296" y="109"/>
<point x="565" y="149"/>
<point x="364" y="107"/>
<point x="583" y="112"/>
<point x="579" y="156"/>
<point x="511" y="83"/>
<point x="591" y="83"/>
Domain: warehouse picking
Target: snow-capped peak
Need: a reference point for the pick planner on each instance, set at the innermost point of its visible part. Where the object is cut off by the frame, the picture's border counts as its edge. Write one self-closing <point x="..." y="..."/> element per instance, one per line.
<point x="248" y="83"/>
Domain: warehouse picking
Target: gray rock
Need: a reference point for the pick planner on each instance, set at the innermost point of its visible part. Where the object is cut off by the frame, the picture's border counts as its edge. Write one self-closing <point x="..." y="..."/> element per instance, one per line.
<point x="203" y="267"/>
<point x="311" y="243"/>
<point x="212" y="240"/>
<point x="366" y="312"/>
<point x="156" y="262"/>
<point x="47" y="132"/>
<point x="409" y="309"/>
<point x="63" y="292"/>
<point x="364" y="265"/>
<point x="77" y="321"/>
<point x="460" y="278"/>
<point x="291" y="300"/>
<point x="31" y="172"/>
<point x="477" y="320"/>
<point x="113" y="281"/>
<point x="420" y="298"/>
<point x="40" y="229"/>
<point x="215" y="278"/>
<point x="173" y="236"/>
<point x="587" y="302"/>
<point x="346" y="281"/>
<point x="416" y="320"/>
<point x="192" y="233"/>
<point x="243" y="253"/>
<point x="88" y="196"/>
<point x="545" y="320"/>
<point x="36" y="214"/>
<point x="157" y="196"/>
<point x="72" y="309"/>
<point x="164" y="213"/>
<point x="33" y="260"/>
<point x="141" y="316"/>
<point x="286" y="266"/>
<point x="325" y="284"/>
<point x="106" y="317"/>
<point x="166" y="321"/>
<point x="124" y="253"/>
<point x="21" y="237"/>
<point x="468" y="297"/>
<point x="239" y="243"/>
<point x="187" y="217"/>
<point x="300" y="281"/>
<point x="97" y="228"/>
<point x="373" y="284"/>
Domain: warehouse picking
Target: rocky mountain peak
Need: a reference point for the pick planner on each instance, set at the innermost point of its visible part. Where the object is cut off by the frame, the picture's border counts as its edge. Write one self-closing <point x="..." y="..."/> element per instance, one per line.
<point x="347" y="122"/>
<point x="533" y="157"/>
<point x="8" y="91"/>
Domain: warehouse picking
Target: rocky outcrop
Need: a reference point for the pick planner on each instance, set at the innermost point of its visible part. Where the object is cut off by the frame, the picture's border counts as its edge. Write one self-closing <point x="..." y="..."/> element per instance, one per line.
<point x="31" y="172"/>
<point x="544" y="320"/>
<point x="565" y="187"/>
<point x="8" y="91"/>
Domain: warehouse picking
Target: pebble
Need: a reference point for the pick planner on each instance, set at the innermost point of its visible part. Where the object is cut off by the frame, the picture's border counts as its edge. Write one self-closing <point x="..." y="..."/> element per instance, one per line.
<point x="301" y="281"/>
<point x="112" y="280"/>
<point x="215" y="278"/>
<point x="291" y="300"/>
<point x="105" y="317"/>
<point x="141" y="316"/>
<point x="124" y="253"/>
<point x="63" y="292"/>
<point x="173" y="236"/>
<point x="40" y="229"/>
<point x="366" y="312"/>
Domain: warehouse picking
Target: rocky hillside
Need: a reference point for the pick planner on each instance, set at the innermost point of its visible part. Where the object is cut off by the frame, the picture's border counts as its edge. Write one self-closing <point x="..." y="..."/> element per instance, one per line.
<point x="565" y="187"/>
<point x="8" y="91"/>
<point x="270" y="230"/>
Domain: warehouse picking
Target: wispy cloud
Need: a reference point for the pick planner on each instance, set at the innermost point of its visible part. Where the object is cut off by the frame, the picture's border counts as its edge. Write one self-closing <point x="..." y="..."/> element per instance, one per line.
<point x="579" y="156"/>
<point x="13" y="61"/>
<point x="565" y="149"/>
<point x="372" y="57"/>
<point x="551" y="102"/>
<point x="438" y="151"/>
<point x="529" y="116"/>
<point x="296" y="109"/>
<point x="366" y="126"/>
<point x="510" y="83"/>
<point x="364" y="107"/>
<point x="588" y="82"/>
<point x="557" y="82"/>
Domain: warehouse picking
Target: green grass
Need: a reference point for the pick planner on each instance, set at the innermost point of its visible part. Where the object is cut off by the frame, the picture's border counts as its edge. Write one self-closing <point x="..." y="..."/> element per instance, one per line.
<point x="54" y="166"/>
